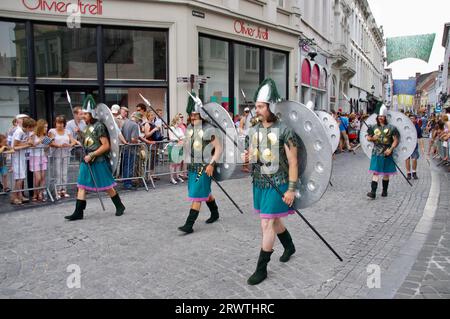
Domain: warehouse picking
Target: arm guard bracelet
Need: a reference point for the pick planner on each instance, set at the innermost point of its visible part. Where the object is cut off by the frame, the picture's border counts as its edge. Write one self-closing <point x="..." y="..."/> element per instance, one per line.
<point x="292" y="186"/>
<point x="92" y="156"/>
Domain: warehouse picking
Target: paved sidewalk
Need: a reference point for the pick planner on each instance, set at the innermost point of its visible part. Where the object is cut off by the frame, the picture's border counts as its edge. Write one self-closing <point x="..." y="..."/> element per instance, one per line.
<point x="430" y="275"/>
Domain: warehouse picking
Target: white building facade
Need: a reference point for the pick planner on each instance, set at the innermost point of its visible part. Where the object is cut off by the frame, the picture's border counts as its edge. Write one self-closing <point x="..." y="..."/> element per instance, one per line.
<point x="367" y="50"/>
<point x="445" y="71"/>
<point x="234" y="43"/>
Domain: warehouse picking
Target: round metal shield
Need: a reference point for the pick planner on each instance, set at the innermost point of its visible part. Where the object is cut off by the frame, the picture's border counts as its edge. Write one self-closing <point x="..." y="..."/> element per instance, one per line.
<point x="314" y="153"/>
<point x="406" y="128"/>
<point x="331" y="127"/>
<point x="104" y="115"/>
<point x="217" y="116"/>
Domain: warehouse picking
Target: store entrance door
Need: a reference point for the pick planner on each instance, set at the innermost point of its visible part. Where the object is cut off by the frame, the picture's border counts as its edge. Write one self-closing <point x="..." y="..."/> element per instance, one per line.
<point x="52" y="101"/>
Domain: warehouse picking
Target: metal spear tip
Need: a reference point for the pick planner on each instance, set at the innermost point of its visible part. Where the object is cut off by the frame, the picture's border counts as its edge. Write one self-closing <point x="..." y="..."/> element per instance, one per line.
<point x="243" y="94"/>
<point x="145" y="100"/>
<point x="346" y="97"/>
<point x="68" y="97"/>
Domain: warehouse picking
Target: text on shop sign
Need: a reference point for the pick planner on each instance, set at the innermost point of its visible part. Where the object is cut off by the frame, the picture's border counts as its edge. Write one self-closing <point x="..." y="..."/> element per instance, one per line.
<point x="62" y="6"/>
<point x="261" y="33"/>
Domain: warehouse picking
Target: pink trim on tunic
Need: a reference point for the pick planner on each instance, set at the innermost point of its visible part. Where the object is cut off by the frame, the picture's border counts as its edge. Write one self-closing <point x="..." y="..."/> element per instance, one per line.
<point x="196" y="200"/>
<point x="93" y="189"/>
<point x="273" y="216"/>
<point x="383" y="174"/>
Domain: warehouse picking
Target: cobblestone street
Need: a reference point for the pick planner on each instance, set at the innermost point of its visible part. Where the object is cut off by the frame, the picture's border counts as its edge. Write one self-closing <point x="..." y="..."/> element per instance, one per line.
<point x="142" y="254"/>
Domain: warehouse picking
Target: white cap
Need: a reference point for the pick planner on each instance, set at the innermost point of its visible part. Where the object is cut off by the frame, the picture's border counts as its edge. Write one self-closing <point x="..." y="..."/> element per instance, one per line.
<point x="21" y="116"/>
<point x="247" y="109"/>
<point x="115" y="109"/>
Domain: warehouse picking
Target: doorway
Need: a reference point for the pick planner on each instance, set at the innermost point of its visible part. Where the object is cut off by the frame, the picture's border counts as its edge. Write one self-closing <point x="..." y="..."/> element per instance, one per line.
<point x="52" y="101"/>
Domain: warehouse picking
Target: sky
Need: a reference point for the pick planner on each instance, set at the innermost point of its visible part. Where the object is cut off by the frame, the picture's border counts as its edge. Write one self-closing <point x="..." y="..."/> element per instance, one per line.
<point x="411" y="17"/>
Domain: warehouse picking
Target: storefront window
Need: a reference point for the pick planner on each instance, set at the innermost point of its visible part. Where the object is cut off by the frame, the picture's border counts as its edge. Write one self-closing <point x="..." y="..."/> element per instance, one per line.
<point x="60" y="105"/>
<point x="213" y="62"/>
<point x="276" y="68"/>
<point x="13" y="50"/>
<point x="65" y="53"/>
<point x="130" y="98"/>
<point x="14" y="100"/>
<point x="135" y="54"/>
<point x="246" y="70"/>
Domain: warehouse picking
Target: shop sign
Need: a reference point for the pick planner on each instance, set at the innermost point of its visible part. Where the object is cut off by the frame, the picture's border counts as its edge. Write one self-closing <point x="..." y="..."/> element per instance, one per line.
<point x="251" y="31"/>
<point x="92" y="7"/>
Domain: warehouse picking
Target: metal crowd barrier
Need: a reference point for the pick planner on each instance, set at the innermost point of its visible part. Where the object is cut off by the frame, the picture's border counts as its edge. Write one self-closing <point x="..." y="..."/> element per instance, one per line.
<point x="132" y="164"/>
<point x="443" y="151"/>
<point x="29" y="166"/>
<point x="159" y="162"/>
<point x="64" y="163"/>
<point x="137" y="162"/>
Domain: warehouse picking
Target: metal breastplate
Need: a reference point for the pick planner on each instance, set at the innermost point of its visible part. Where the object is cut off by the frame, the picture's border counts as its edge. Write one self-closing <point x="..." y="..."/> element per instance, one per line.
<point x="199" y="139"/>
<point x="385" y="138"/>
<point x="269" y="150"/>
<point x="91" y="139"/>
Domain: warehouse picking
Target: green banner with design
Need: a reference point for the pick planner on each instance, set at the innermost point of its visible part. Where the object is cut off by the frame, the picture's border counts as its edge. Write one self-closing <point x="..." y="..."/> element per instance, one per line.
<point x="416" y="46"/>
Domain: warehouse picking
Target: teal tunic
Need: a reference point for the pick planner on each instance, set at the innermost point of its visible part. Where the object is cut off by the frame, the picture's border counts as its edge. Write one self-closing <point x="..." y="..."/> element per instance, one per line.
<point x="269" y="148"/>
<point x="380" y="164"/>
<point x="199" y="183"/>
<point x="100" y="167"/>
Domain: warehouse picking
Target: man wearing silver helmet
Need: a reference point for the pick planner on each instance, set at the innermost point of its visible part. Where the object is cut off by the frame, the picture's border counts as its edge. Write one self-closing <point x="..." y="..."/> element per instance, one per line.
<point x="385" y="138"/>
<point x="200" y="173"/>
<point x="273" y="146"/>
<point x="96" y="143"/>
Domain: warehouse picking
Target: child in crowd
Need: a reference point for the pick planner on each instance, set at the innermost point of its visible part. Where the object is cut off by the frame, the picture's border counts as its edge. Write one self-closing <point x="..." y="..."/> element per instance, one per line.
<point x="4" y="151"/>
<point x="21" y="141"/>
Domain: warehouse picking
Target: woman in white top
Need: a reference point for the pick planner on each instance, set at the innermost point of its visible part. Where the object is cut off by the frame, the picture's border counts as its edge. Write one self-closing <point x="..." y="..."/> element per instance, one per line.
<point x="61" y="146"/>
<point x="38" y="159"/>
<point x="175" y="149"/>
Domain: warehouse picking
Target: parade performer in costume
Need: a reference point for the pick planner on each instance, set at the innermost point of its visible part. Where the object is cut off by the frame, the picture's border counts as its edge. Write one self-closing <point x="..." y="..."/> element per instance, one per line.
<point x="200" y="173"/>
<point x="385" y="138"/>
<point x="96" y="144"/>
<point x="272" y="141"/>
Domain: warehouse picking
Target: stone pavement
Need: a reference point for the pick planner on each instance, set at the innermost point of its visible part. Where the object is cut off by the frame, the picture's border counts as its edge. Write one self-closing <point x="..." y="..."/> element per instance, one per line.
<point x="142" y="255"/>
<point x="429" y="277"/>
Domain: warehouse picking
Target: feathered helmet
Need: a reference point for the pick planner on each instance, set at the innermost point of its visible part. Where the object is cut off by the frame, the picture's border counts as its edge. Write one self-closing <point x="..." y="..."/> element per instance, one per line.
<point x="268" y="93"/>
<point x="89" y="105"/>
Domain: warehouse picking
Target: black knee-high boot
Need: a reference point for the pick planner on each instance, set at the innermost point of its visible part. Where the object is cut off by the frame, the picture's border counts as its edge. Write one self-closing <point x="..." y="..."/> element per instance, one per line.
<point x="261" y="269"/>
<point x="187" y="228"/>
<point x="373" y="193"/>
<point x="214" y="212"/>
<point x="78" y="214"/>
<point x="385" y="188"/>
<point x="288" y="244"/>
<point x="120" y="209"/>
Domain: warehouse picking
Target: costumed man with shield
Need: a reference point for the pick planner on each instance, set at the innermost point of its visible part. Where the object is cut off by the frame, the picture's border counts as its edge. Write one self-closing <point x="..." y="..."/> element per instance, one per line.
<point x="273" y="145"/>
<point x="386" y="138"/>
<point x="204" y="151"/>
<point x="96" y="173"/>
